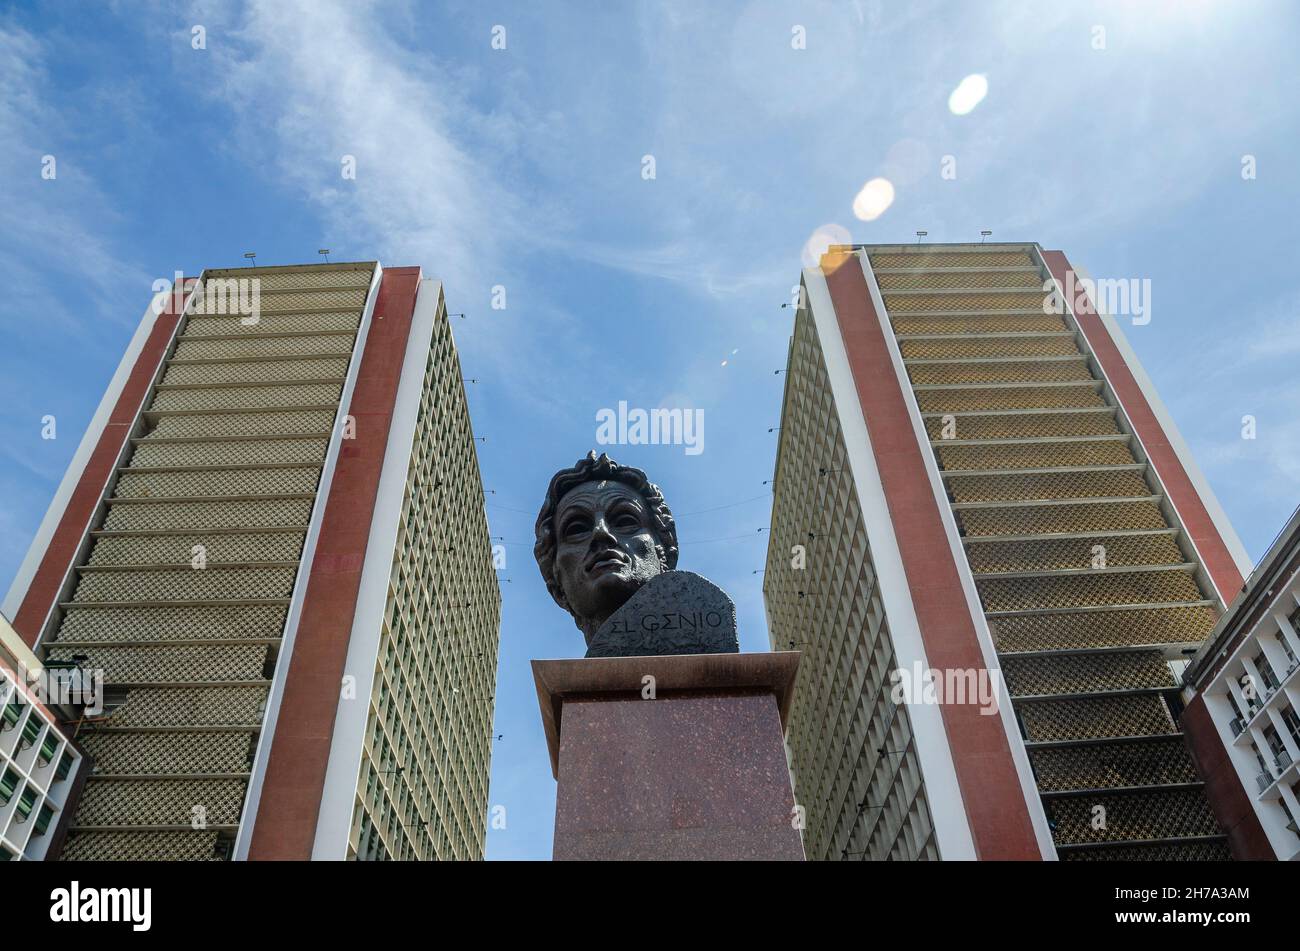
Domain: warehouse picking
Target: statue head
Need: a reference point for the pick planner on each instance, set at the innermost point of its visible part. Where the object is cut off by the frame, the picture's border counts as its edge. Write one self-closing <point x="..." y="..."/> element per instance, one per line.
<point x="603" y="532"/>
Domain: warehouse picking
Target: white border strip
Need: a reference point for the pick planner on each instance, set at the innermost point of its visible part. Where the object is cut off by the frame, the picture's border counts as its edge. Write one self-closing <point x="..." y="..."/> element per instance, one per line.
<point x="938" y="774"/>
<point x="1016" y="743"/>
<point x="335" y="820"/>
<point x="248" y="818"/>
<point x="77" y="467"/>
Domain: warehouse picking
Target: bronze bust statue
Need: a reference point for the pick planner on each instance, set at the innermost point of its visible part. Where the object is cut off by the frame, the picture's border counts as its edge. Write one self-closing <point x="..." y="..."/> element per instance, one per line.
<point x="603" y="535"/>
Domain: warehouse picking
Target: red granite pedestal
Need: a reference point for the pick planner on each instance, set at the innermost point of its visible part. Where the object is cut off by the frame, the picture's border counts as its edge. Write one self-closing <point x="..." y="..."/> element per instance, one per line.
<point x="697" y="772"/>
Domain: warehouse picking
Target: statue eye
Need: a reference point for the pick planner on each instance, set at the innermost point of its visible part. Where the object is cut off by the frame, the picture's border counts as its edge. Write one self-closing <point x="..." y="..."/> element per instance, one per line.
<point x="575" y="527"/>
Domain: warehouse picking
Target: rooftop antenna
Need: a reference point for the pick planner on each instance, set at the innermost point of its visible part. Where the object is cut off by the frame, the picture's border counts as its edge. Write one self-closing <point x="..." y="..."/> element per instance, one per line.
<point x="252" y="257"/>
<point x="920" y="235"/>
<point x="325" y="252"/>
<point x="983" y="235"/>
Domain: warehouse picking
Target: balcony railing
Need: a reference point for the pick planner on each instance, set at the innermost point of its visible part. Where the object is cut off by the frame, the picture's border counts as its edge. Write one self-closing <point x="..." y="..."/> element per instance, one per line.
<point x="1282" y="760"/>
<point x="1237" y="724"/>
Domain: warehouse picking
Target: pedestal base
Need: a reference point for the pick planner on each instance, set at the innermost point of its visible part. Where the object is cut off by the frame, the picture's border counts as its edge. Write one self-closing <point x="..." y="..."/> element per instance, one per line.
<point x="697" y="772"/>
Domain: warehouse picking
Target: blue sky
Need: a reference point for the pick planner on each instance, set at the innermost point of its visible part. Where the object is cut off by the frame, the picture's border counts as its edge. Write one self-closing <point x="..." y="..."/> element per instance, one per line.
<point x="522" y="167"/>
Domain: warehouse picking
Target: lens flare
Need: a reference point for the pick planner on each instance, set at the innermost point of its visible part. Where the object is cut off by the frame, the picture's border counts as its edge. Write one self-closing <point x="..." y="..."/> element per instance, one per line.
<point x="970" y="92"/>
<point x="875" y="196"/>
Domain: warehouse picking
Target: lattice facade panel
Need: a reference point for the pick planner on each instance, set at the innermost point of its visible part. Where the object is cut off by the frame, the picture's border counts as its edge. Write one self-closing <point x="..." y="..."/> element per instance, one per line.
<point x="979" y="324"/>
<point x="1082" y="718"/>
<point x="1102" y="484"/>
<point x="181" y="664"/>
<point x="152" y="453"/>
<point x="200" y="846"/>
<point x="1039" y="632"/>
<point x="298" y="279"/>
<point x="1166" y="852"/>
<point x="236" y="324"/>
<point x="1154" y="814"/>
<point x="1010" y="371"/>
<point x="1059" y="554"/>
<point x="1076" y="591"/>
<point x="224" y="399"/>
<point x="1043" y="519"/>
<point x="186" y="584"/>
<point x="1155" y="762"/>
<point x="170" y="751"/>
<point x="156" y="802"/>
<point x="262" y="345"/>
<point x="960" y="399"/>
<point x="216" y="549"/>
<point x="957" y="280"/>
<point x="323" y="299"/>
<point x="166" y="623"/>
<point x="243" y="424"/>
<point x="986" y="347"/>
<point x="135" y="515"/>
<point x="212" y="482"/>
<point x="1086" y="673"/>
<point x="194" y="707"/>
<point x="1021" y="425"/>
<point x="261" y="371"/>
<point x="964" y="303"/>
<point x="949" y="259"/>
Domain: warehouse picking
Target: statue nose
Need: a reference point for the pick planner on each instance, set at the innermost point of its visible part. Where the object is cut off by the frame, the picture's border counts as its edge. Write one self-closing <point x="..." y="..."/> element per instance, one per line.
<point x="601" y="530"/>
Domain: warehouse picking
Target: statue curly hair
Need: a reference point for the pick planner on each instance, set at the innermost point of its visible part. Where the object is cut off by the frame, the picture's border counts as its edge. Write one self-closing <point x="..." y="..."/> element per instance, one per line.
<point x="602" y="469"/>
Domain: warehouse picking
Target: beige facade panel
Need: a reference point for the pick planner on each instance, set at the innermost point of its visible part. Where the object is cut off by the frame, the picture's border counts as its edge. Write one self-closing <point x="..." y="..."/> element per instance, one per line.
<point x="1060" y="554"/>
<point x="243" y="452"/>
<point x="179" y="550"/>
<point x="922" y="259"/>
<point x="166" y="622"/>
<point x="240" y="326"/>
<point x="248" y="397"/>
<point x="1103" y="628"/>
<point x="262" y="371"/>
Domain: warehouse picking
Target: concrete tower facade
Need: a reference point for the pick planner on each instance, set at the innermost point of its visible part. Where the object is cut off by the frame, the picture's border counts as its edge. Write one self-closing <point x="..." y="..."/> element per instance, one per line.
<point x="271" y="542"/>
<point x="996" y="554"/>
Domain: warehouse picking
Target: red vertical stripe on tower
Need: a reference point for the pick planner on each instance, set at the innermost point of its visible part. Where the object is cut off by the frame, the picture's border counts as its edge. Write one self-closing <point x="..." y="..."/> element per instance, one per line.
<point x="289" y="805"/>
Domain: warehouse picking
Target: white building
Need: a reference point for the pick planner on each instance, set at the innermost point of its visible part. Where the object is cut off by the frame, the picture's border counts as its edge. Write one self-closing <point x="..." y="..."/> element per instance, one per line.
<point x="1248" y="677"/>
<point x="39" y="767"/>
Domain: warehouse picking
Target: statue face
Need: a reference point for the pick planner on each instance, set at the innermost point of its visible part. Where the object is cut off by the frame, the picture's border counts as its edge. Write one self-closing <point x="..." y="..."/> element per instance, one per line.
<point x="606" y="548"/>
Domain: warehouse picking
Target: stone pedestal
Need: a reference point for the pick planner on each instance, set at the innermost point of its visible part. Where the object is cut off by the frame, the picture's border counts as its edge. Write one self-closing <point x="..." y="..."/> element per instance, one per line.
<point x="698" y="772"/>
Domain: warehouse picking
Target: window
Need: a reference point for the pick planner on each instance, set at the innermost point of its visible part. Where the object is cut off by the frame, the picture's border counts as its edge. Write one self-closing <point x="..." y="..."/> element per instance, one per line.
<point x="1265" y="670"/>
<point x="26" y="802"/>
<point x="13" y="710"/>
<point x="31" y="730"/>
<point x="8" y="783"/>
<point x="65" y="766"/>
<point x="48" y="748"/>
<point x="1275" y="744"/>
<point x="1292" y="721"/>
<point x="1286" y="648"/>
<point x="43" y="819"/>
